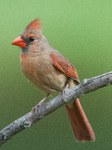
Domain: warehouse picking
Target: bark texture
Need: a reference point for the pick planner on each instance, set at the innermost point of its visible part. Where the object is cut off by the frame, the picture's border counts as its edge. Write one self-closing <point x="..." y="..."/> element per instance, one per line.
<point x="26" y="121"/>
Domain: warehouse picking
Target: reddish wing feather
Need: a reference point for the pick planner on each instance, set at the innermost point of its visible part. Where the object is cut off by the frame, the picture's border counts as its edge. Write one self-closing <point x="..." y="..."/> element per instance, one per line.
<point x="64" y="66"/>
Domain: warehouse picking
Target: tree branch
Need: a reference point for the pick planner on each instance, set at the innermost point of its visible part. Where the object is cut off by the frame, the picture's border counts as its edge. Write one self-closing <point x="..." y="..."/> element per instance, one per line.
<point x="26" y="121"/>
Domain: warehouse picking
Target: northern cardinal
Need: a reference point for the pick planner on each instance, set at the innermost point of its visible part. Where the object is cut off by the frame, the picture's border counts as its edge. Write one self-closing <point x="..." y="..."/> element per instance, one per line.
<point x="51" y="72"/>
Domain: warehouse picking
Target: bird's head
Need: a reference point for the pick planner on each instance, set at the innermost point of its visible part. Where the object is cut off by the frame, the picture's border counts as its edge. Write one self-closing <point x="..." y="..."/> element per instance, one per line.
<point x="31" y="38"/>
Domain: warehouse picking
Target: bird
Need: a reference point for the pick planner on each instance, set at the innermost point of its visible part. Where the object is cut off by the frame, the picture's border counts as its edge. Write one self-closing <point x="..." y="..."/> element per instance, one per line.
<point x="49" y="71"/>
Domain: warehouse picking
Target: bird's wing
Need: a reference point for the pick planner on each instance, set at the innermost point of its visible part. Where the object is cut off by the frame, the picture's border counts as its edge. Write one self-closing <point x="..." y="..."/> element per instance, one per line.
<point x="62" y="64"/>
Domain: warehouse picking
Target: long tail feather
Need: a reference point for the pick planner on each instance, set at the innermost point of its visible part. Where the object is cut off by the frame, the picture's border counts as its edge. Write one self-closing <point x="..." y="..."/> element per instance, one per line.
<point x="81" y="128"/>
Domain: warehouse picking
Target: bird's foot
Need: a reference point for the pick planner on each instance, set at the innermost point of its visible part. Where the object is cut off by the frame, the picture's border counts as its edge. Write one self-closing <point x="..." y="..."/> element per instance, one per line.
<point x="36" y="107"/>
<point x="64" y="91"/>
<point x="39" y="104"/>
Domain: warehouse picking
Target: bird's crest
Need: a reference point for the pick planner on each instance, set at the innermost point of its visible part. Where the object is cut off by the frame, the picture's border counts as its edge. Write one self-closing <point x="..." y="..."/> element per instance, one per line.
<point x="34" y="24"/>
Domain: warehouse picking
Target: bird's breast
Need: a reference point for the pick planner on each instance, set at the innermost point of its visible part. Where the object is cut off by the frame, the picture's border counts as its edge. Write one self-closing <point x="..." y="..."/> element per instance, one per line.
<point x="41" y="72"/>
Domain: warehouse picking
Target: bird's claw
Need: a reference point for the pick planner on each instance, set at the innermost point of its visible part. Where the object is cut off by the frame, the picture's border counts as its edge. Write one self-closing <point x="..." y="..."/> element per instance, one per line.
<point x="36" y="108"/>
<point x="39" y="104"/>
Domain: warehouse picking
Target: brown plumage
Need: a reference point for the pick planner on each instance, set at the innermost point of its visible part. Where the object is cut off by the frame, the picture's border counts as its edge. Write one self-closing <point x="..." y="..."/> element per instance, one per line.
<point x="50" y="72"/>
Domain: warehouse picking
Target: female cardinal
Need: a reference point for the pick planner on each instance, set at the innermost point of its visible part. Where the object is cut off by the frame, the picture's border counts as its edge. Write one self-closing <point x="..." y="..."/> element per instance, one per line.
<point x="51" y="72"/>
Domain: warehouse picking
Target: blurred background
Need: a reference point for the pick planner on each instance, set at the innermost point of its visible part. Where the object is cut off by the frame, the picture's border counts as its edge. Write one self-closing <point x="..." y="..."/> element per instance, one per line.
<point x="82" y="32"/>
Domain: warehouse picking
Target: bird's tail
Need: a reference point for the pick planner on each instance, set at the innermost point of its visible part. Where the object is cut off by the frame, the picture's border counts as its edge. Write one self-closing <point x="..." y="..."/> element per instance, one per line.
<point x="81" y="128"/>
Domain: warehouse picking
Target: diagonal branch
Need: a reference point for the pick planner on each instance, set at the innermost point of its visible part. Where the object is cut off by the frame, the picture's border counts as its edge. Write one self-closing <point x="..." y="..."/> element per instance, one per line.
<point x="87" y="85"/>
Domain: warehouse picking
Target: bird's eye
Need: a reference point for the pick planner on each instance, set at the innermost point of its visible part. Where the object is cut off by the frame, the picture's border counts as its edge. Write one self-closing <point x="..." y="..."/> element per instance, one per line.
<point x="31" y="39"/>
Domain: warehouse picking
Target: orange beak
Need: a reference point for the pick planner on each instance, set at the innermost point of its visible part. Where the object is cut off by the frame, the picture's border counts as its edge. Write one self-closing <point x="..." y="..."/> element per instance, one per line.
<point x="19" y="42"/>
